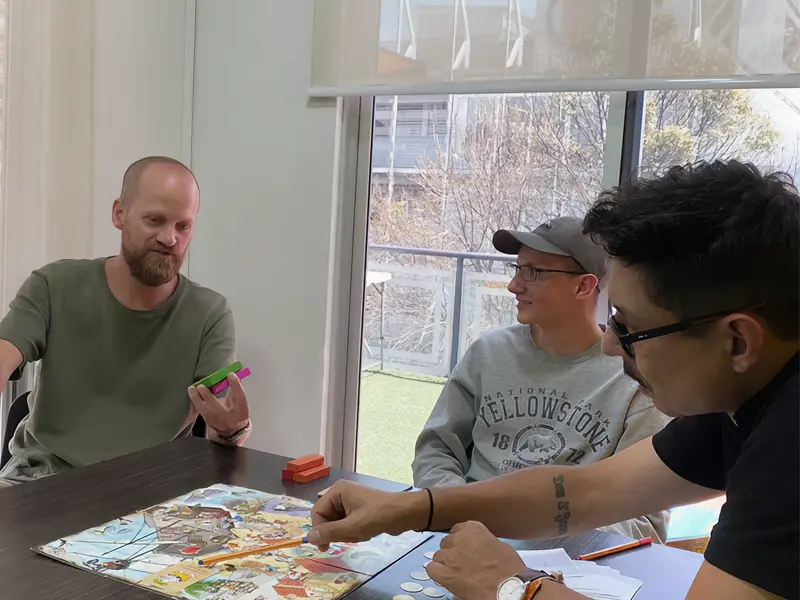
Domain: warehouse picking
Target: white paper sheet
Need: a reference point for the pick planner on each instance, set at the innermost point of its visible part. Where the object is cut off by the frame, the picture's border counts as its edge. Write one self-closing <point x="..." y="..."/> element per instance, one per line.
<point x="549" y="561"/>
<point x="585" y="577"/>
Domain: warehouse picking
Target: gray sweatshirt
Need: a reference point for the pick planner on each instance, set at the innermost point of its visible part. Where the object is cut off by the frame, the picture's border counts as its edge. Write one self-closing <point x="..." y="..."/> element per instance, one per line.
<point x="509" y="405"/>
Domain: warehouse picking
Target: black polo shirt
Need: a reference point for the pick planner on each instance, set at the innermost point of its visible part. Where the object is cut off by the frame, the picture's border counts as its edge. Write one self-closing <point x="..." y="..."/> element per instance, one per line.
<point x="754" y="459"/>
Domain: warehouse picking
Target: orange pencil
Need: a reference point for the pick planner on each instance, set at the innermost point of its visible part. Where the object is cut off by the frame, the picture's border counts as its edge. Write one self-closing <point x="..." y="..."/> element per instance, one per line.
<point x="214" y="559"/>
<point x="615" y="549"/>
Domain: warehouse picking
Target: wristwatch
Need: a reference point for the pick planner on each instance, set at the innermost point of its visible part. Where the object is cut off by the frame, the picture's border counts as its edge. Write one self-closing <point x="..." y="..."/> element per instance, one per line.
<point x="518" y="586"/>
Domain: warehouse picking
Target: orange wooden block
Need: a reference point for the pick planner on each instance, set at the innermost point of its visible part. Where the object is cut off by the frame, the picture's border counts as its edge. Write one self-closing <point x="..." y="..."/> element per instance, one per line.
<point x="312" y="474"/>
<point x="304" y="463"/>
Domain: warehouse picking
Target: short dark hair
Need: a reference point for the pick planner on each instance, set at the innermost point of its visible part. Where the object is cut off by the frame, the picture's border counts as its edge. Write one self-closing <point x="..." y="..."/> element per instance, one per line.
<point x="133" y="174"/>
<point x="709" y="237"/>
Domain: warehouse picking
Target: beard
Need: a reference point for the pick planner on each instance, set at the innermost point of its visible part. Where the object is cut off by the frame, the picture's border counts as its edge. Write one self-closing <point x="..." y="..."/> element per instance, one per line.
<point x="629" y="368"/>
<point x="151" y="267"/>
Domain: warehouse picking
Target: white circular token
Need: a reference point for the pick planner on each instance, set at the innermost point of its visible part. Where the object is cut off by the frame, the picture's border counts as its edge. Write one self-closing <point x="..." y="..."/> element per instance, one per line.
<point x="429" y="555"/>
<point x="433" y="592"/>
<point x="420" y="576"/>
<point x="411" y="587"/>
<point x="403" y="597"/>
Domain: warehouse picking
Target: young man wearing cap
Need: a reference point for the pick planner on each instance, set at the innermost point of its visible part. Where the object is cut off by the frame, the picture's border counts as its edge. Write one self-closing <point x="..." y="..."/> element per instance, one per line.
<point x="541" y="392"/>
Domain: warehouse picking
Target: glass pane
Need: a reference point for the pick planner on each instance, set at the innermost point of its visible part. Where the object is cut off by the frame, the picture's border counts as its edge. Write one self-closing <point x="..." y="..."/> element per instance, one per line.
<point x="447" y="172"/>
<point x="758" y="126"/>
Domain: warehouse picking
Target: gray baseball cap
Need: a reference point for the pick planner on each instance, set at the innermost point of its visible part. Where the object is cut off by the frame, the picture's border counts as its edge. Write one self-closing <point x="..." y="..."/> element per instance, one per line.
<point x="562" y="236"/>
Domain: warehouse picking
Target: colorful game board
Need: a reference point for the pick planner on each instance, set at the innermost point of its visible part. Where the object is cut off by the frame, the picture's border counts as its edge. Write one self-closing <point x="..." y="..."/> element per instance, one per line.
<point x="157" y="548"/>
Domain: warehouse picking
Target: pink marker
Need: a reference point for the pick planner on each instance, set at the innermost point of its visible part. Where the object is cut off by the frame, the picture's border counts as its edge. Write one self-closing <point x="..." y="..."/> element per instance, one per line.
<point x="223" y="385"/>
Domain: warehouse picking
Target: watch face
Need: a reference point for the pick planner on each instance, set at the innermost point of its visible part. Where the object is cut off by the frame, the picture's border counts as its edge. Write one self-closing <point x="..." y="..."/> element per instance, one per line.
<point x="511" y="589"/>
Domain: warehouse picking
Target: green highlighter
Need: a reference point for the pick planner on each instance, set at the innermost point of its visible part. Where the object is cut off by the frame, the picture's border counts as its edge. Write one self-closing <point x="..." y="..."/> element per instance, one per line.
<point x="219" y="376"/>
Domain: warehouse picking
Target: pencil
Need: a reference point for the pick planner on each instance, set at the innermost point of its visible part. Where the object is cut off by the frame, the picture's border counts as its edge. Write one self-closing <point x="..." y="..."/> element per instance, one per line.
<point x="214" y="559"/>
<point x="615" y="549"/>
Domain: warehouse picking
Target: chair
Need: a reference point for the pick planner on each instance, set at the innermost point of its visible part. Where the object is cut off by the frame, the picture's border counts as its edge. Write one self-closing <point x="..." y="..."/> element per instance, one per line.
<point x="199" y="428"/>
<point x="16" y="413"/>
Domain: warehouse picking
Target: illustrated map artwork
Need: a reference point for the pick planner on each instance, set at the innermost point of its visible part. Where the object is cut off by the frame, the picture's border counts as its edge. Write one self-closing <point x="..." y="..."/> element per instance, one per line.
<point x="158" y="548"/>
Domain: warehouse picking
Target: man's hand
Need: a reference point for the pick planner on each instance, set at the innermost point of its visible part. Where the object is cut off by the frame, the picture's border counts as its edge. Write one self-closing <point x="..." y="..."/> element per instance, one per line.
<point x="349" y="512"/>
<point x="472" y="563"/>
<point x="226" y="416"/>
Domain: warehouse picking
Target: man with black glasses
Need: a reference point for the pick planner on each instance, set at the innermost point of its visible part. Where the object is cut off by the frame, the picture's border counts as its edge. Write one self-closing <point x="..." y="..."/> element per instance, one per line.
<point x="541" y="392"/>
<point x="705" y="279"/>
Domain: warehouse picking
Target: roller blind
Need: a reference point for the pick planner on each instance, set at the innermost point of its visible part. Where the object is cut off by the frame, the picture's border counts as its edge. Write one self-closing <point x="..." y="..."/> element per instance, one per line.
<point x="472" y="46"/>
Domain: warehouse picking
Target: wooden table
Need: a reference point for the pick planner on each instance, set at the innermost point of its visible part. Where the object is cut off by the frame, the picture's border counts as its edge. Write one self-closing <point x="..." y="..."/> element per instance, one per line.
<point x="45" y="510"/>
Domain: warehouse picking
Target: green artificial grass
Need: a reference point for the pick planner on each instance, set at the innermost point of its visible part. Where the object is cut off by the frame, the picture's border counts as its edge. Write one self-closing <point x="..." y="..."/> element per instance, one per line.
<point x="392" y="411"/>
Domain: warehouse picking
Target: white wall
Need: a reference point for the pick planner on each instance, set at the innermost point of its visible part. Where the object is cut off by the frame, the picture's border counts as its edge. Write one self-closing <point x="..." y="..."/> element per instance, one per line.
<point x="70" y="131"/>
<point x="93" y="85"/>
<point x="140" y="94"/>
<point x="265" y="161"/>
<point x="100" y="83"/>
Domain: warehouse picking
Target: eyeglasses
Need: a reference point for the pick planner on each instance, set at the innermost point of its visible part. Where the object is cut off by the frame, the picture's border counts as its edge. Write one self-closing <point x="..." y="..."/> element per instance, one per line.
<point x="627" y="339"/>
<point x="530" y="273"/>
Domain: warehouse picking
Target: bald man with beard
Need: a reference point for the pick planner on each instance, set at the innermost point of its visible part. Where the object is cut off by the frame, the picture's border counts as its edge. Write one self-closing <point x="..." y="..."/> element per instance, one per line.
<point x="121" y="339"/>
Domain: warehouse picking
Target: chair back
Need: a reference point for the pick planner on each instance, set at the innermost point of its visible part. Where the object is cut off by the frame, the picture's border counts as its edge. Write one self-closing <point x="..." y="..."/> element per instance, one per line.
<point x="16" y="413"/>
<point x="199" y="428"/>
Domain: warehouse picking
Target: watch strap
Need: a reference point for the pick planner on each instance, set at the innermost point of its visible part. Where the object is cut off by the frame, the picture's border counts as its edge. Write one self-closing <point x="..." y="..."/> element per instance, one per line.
<point x="529" y="575"/>
<point x="535" y="581"/>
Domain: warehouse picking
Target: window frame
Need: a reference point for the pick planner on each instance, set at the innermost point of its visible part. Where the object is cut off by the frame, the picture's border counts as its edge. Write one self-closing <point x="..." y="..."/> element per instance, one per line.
<point x="621" y="157"/>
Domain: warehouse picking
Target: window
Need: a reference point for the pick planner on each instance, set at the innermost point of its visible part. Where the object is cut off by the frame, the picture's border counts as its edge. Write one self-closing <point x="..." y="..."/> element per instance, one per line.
<point x="455" y="170"/>
<point x="488" y="162"/>
<point x="758" y="126"/>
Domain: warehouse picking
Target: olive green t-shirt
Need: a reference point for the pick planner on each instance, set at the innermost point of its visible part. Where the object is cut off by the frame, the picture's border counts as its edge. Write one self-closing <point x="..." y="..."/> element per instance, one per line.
<point x="112" y="380"/>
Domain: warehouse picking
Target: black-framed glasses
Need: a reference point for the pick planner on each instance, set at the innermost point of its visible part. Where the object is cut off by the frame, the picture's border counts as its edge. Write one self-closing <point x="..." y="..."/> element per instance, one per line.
<point x="627" y="339"/>
<point x="530" y="273"/>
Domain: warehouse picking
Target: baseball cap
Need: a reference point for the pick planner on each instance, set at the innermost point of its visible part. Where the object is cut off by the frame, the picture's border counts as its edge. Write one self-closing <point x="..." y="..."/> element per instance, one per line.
<point x="562" y="236"/>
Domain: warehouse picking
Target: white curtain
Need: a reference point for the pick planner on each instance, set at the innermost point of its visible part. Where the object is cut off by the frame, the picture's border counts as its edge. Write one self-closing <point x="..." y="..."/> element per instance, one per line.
<point x="47" y="138"/>
<point x="471" y="46"/>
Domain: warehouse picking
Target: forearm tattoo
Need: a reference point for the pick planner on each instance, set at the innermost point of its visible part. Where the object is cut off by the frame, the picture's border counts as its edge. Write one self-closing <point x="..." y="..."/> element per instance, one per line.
<point x="562" y="504"/>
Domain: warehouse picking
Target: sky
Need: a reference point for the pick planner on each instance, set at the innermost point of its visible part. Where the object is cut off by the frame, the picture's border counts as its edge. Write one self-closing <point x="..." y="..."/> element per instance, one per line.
<point x="783" y="109"/>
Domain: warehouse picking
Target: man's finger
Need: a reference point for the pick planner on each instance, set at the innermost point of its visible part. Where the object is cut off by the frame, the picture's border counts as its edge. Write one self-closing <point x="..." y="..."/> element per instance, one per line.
<point x="236" y="398"/>
<point x="329" y="507"/>
<point x="447" y="542"/>
<point x="439" y="573"/>
<point x="197" y="400"/>
<point x="205" y="402"/>
<point x="235" y="385"/>
<point x="334" y="531"/>
<point x="458" y="527"/>
<point x="210" y="399"/>
<point x="443" y="556"/>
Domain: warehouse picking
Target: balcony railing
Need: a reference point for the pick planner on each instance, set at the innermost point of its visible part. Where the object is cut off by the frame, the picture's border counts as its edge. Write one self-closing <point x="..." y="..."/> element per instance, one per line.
<point x="424" y="307"/>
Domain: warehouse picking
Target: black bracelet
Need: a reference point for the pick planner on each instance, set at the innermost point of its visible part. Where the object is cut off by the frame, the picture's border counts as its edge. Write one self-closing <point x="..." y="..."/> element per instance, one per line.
<point x="235" y="435"/>
<point x="430" y="510"/>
